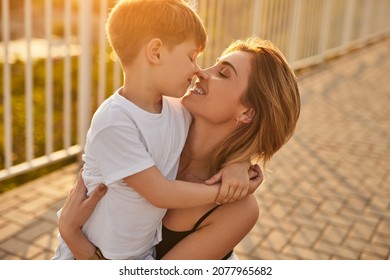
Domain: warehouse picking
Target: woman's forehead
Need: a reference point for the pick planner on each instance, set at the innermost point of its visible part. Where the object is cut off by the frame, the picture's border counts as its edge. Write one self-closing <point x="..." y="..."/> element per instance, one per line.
<point x="240" y="57"/>
<point x="240" y="60"/>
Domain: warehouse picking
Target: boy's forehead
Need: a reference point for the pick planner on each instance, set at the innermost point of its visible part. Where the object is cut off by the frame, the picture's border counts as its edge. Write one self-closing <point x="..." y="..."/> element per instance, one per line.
<point x="191" y="44"/>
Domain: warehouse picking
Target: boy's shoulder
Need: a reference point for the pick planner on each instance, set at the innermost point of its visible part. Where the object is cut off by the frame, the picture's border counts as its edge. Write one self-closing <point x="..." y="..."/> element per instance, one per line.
<point x="111" y="110"/>
<point x="177" y="109"/>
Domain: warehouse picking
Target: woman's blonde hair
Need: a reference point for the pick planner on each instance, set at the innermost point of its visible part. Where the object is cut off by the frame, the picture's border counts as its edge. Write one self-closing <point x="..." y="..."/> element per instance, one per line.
<point x="131" y="23"/>
<point x="273" y="95"/>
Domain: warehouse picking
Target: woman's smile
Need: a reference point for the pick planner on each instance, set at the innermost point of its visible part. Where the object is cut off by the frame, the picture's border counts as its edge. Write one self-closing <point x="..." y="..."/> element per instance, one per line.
<point x="198" y="89"/>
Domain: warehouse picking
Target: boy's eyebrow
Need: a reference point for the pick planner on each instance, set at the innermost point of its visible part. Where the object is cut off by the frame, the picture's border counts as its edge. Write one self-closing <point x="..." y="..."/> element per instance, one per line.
<point x="229" y="64"/>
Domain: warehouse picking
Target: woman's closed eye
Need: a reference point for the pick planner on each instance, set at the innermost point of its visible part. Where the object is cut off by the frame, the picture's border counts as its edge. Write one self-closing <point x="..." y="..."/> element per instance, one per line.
<point x="223" y="73"/>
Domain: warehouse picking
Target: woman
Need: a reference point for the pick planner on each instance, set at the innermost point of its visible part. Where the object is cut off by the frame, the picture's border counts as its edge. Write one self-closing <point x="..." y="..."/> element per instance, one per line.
<point x="250" y="74"/>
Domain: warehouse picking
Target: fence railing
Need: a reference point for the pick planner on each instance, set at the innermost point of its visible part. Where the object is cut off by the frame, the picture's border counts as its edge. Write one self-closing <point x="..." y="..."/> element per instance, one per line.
<point x="57" y="67"/>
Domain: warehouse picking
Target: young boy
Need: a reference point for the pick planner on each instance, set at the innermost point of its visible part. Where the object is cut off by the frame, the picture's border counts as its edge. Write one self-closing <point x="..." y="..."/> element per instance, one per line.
<point x="137" y="134"/>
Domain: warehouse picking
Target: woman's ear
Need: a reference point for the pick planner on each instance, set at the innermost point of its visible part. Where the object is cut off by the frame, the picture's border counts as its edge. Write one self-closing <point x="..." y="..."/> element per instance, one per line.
<point x="153" y="50"/>
<point x="246" y="116"/>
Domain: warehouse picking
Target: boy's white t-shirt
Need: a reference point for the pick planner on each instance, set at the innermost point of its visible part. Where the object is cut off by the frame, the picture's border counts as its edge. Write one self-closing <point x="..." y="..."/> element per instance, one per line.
<point x="123" y="140"/>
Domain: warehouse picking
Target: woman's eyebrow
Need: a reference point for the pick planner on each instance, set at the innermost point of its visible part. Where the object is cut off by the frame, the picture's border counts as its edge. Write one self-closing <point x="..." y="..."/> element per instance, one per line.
<point x="230" y="65"/>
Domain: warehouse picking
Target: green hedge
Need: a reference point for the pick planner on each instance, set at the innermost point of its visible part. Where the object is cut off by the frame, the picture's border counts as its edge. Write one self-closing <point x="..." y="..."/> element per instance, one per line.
<point x="39" y="106"/>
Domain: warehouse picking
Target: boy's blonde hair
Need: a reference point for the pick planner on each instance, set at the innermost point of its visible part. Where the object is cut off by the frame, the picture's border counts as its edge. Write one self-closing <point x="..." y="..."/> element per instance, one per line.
<point x="273" y="94"/>
<point x="132" y="23"/>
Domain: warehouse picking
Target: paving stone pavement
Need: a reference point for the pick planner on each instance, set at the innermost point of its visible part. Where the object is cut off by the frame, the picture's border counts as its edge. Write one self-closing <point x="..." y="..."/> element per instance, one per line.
<point x="326" y="194"/>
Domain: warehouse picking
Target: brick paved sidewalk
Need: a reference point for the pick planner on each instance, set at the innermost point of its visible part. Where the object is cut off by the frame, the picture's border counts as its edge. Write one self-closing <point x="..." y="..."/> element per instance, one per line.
<point x="326" y="194"/>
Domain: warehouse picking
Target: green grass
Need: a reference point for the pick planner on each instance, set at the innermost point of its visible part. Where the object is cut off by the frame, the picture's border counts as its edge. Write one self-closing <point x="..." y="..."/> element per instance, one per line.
<point x="18" y="109"/>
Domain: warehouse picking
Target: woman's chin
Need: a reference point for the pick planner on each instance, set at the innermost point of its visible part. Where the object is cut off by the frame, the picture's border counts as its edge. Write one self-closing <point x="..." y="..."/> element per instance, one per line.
<point x="189" y="102"/>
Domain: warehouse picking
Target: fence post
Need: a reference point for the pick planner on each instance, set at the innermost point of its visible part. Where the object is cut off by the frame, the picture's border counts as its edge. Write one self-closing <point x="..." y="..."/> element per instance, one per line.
<point x="256" y="18"/>
<point x="49" y="80"/>
<point x="84" y="70"/>
<point x="324" y="35"/>
<point x="292" y="54"/>
<point x="347" y="28"/>
<point x="29" y="83"/>
<point x="67" y="99"/>
<point x="102" y="52"/>
<point x="7" y="86"/>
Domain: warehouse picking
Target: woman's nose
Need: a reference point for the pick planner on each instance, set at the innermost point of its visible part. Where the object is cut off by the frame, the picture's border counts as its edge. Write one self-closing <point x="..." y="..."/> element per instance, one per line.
<point x="202" y="74"/>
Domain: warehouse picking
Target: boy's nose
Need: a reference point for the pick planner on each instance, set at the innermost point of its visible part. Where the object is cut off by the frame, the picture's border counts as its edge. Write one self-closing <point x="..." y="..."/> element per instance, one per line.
<point x="196" y="68"/>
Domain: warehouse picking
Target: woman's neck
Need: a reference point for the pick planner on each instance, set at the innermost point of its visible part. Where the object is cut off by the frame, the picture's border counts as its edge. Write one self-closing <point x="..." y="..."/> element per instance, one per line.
<point x="195" y="158"/>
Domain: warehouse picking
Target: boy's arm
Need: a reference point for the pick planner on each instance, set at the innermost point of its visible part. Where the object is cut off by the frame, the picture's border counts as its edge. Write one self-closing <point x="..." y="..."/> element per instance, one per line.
<point x="237" y="180"/>
<point x="163" y="193"/>
<point x="127" y="156"/>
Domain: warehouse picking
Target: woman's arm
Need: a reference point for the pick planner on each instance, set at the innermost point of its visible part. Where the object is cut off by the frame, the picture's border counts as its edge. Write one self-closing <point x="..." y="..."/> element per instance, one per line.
<point x="76" y="211"/>
<point x="219" y="233"/>
<point x="78" y="208"/>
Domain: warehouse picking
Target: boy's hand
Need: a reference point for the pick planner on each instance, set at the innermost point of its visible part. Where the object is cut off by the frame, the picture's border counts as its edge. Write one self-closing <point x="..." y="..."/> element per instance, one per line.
<point x="238" y="179"/>
<point x="256" y="178"/>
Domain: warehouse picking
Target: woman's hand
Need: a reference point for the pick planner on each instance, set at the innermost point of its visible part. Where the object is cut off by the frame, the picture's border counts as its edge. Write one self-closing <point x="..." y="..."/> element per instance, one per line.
<point x="76" y="211"/>
<point x="78" y="207"/>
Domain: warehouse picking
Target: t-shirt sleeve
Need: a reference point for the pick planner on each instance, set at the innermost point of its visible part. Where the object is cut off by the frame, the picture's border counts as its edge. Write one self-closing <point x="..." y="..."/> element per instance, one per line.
<point x="120" y="152"/>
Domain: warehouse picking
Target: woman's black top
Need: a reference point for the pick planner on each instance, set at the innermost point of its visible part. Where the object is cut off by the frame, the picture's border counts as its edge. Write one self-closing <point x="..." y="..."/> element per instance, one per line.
<point x="170" y="238"/>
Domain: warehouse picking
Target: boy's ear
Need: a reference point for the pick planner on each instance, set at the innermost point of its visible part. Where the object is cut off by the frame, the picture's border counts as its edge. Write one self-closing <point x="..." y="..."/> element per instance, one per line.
<point x="246" y="117"/>
<point x="153" y="50"/>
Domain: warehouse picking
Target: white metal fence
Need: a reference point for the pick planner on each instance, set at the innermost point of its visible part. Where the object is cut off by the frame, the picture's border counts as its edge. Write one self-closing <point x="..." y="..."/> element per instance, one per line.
<point x="51" y="121"/>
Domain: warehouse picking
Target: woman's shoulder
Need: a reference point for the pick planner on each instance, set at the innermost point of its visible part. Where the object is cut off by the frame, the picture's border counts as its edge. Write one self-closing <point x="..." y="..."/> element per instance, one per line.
<point x="245" y="210"/>
<point x="246" y="205"/>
